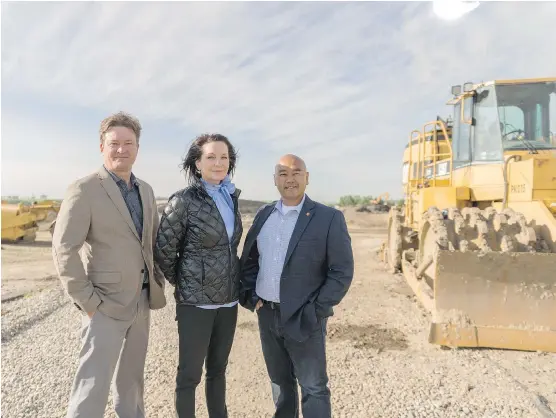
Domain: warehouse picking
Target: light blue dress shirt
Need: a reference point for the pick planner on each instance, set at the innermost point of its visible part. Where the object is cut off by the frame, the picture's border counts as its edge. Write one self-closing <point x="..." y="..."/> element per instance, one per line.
<point x="272" y="243"/>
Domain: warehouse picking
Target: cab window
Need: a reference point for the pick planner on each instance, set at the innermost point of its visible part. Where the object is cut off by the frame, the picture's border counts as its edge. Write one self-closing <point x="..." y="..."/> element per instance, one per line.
<point x="487" y="143"/>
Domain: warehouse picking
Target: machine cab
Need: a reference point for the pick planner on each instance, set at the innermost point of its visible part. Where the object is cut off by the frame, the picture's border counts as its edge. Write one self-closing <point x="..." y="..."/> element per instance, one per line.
<point x="498" y="117"/>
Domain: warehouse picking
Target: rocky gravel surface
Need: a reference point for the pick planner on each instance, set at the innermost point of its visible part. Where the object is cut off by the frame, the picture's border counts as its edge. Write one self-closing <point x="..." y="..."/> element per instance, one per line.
<point x="380" y="363"/>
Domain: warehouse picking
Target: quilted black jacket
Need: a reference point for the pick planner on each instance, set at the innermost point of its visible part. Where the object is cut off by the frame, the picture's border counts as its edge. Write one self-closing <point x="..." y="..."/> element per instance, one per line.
<point x="193" y="250"/>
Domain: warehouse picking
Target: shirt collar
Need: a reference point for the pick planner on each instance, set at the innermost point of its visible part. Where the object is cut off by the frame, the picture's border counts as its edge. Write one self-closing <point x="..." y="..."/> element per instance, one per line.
<point x="284" y="210"/>
<point x="118" y="179"/>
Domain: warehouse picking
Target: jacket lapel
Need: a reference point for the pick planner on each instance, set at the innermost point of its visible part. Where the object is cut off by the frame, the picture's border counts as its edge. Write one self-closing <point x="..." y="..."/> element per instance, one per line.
<point x="256" y="227"/>
<point x="305" y="216"/>
<point x="147" y="210"/>
<point x="265" y="213"/>
<point x="116" y="196"/>
<point x="237" y="214"/>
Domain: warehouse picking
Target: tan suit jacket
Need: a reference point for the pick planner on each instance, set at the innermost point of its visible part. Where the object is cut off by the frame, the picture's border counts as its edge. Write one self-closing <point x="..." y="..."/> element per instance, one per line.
<point x="108" y="274"/>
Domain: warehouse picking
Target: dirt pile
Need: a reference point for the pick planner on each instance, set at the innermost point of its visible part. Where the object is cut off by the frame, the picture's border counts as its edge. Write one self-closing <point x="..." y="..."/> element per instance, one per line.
<point x="373" y="208"/>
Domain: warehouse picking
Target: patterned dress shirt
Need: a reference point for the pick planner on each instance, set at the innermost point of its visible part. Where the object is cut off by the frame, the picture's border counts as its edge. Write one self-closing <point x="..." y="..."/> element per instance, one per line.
<point x="133" y="202"/>
<point x="272" y="243"/>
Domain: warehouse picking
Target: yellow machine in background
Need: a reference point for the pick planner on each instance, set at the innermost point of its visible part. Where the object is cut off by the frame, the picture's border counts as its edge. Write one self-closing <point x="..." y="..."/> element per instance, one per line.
<point x="20" y="222"/>
<point x="45" y="210"/>
<point x="382" y="199"/>
<point x="476" y="238"/>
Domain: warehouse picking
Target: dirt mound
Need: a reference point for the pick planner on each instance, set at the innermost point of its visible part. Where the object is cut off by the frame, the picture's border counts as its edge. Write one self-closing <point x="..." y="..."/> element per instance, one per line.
<point x="369" y="336"/>
<point x="249" y="206"/>
<point x="373" y="208"/>
<point x="357" y="219"/>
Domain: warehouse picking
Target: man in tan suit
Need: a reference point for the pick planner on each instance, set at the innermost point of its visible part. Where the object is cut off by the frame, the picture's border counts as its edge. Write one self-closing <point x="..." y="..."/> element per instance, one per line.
<point x="111" y="217"/>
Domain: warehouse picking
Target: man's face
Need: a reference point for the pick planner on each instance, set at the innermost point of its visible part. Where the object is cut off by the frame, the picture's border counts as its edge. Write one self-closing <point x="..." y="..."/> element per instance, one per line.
<point x="291" y="178"/>
<point x="119" y="149"/>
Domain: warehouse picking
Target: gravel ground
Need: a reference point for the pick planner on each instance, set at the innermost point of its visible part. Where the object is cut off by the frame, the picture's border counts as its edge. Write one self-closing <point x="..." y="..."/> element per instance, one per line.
<point x="380" y="363"/>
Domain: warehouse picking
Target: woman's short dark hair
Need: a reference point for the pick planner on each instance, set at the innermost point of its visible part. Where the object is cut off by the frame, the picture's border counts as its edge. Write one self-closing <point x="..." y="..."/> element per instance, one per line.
<point x="196" y="151"/>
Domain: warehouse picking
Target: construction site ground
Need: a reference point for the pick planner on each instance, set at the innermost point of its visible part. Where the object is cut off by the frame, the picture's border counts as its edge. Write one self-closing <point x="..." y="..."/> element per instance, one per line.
<point x="380" y="363"/>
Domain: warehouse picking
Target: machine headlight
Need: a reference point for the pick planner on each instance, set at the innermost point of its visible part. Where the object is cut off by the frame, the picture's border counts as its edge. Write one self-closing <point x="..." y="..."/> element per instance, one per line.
<point x="442" y="169"/>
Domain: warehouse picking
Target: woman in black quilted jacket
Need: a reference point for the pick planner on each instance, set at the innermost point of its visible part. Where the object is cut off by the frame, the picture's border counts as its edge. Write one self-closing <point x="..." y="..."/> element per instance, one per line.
<point x="196" y="249"/>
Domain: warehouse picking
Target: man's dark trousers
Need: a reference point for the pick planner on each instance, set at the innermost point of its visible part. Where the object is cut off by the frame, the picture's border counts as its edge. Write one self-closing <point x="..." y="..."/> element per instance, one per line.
<point x="287" y="359"/>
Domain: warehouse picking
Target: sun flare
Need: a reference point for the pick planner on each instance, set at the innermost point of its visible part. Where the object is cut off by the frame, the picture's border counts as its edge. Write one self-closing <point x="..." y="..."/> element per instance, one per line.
<point x="453" y="9"/>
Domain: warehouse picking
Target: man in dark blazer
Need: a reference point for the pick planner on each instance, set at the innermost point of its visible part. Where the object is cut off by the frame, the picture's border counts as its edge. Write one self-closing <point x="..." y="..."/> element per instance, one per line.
<point x="297" y="263"/>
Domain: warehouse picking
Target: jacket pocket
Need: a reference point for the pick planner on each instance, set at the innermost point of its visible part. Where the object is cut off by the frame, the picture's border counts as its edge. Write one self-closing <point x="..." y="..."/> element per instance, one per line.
<point x="202" y="274"/>
<point x="105" y="276"/>
<point x="106" y="281"/>
<point x="309" y="242"/>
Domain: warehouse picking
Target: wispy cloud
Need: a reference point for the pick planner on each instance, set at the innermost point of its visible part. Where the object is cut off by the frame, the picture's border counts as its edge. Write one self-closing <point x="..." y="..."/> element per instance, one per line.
<point x="342" y="84"/>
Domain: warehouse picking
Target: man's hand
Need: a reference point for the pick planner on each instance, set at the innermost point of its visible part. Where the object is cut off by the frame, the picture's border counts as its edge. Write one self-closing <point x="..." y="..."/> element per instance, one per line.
<point x="258" y="305"/>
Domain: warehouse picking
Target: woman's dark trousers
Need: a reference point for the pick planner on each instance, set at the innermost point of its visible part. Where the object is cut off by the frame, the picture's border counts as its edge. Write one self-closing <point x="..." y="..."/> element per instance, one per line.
<point x="204" y="334"/>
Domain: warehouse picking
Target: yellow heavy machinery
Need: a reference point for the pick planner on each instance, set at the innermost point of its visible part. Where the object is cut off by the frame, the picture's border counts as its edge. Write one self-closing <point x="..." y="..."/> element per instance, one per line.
<point x="476" y="237"/>
<point x="45" y="210"/>
<point x="20" y="222"/>
<point x="382" y="199"/>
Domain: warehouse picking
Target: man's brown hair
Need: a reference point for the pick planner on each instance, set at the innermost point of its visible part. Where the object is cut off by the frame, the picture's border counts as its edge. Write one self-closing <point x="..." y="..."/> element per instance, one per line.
<point x="120" y="119"/>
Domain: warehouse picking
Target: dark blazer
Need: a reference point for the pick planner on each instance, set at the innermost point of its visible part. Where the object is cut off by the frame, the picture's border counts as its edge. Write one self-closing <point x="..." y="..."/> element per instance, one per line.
<point x="318" y="268"/>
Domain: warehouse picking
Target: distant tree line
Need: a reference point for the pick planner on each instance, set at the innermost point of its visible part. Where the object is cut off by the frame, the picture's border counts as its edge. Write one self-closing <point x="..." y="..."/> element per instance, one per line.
<point x="26" y="200"/>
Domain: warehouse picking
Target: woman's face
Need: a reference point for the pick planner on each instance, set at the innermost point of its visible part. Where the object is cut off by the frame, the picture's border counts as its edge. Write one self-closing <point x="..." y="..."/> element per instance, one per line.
<point x="214" y="162"/>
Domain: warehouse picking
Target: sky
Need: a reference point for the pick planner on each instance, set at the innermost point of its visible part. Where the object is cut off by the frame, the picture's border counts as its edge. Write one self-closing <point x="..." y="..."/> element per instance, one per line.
<point x="341" y="84"/>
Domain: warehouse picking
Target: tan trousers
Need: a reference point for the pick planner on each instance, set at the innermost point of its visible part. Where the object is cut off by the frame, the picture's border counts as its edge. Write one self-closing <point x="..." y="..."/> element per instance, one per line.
<point x="111" y="348"/>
